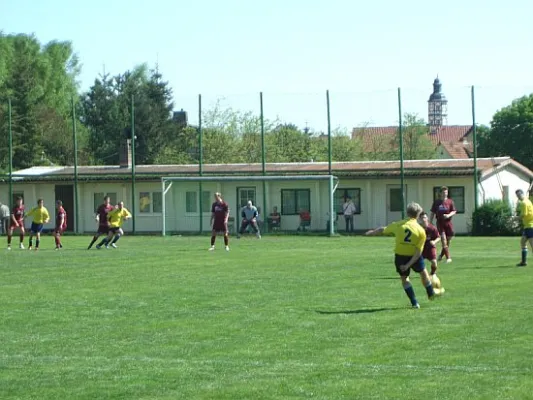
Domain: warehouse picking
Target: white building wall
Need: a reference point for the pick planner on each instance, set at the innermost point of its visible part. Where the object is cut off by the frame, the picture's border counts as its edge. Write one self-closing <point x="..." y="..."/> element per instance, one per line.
<point x="373" y="202"/>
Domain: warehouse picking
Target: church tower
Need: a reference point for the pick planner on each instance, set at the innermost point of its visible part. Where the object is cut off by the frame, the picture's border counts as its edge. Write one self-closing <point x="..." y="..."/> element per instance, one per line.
<point x="437" y="106"/>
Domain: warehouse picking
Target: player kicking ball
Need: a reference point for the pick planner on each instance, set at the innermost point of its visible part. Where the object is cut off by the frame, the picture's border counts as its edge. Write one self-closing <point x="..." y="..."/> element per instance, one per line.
<point x="410" y="239"/>
<point x="430" y="250"/>
<point x="40" y="217"/>
<point x="219" y="221"/>
<point x="116" y="218"/>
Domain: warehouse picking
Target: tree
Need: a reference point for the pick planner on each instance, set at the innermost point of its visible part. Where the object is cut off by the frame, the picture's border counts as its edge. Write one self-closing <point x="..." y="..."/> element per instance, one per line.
<point x="41" y="83"/>
<point x="416" y="143"/>
<point x="511" y="132"/>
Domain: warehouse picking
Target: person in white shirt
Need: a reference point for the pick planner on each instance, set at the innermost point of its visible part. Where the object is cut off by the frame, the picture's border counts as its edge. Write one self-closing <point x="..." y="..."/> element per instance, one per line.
<point x="348" y="210"/>
<point x="5" y="216"/>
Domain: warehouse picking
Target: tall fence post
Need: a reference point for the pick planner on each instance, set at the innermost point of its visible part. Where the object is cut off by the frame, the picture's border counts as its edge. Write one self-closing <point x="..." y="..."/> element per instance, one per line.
<point x="200" y="163"/>
<point x="133" y="190"/>
<point x="10" y="134"/>
<point x="330" y="181"/>
<point x="76" y="198"/>
<point x="400" y="132"/>
<point x="474" y="132"/>
<point x="263" y="160"/>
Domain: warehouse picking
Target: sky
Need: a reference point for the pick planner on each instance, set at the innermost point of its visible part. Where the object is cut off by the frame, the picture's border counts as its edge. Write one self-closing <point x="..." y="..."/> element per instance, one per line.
<point x="294" y="51"/>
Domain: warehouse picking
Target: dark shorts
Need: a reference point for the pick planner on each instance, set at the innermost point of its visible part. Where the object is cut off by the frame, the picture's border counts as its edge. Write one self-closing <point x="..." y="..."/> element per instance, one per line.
<point x="446" y="228"/>
<point x="528" y="233"/>
<point x="220" y="226"/>
<point x="36" y="228"/>
<point x="399" y="260"/>
<point x="245" y="224"/>
<point x="20" y="225"/>
<point x="429" y="253"/>
<point x="114" y="230"/>
<point x="103" y="229"/>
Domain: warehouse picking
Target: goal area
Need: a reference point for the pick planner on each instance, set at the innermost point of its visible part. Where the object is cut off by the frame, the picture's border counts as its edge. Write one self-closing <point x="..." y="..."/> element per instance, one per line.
<point x="303" y="202"/>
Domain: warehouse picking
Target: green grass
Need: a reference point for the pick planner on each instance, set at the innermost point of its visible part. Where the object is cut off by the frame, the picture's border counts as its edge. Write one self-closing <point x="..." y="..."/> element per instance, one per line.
<point x="281" y="318"/>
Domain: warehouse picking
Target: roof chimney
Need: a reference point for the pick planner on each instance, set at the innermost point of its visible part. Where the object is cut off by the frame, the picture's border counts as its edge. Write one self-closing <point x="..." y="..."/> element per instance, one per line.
<point x="125" y="154"/>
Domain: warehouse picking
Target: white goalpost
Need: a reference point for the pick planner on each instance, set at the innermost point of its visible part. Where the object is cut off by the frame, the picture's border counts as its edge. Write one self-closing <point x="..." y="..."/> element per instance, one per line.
<point x="167" y="182"/>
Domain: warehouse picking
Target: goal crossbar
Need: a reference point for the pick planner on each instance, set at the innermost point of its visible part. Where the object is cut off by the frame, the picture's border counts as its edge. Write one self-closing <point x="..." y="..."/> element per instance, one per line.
<point x="333" y="184"/>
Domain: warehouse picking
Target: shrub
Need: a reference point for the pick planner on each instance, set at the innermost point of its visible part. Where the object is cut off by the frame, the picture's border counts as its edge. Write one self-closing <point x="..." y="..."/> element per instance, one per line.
<point x="495" y="218"/>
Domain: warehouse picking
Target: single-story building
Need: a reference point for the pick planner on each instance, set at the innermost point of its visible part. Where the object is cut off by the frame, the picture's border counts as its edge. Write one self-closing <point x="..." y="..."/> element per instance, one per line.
<point x="374" y="187"/>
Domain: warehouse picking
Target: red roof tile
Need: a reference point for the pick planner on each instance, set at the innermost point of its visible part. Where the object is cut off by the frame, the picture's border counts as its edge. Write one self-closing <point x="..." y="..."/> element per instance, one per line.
<point x="437" y="167"/>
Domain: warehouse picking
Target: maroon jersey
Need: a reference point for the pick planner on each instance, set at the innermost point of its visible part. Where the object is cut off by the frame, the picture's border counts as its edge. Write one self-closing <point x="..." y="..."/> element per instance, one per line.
<point x="431" y="234"/>
<point x="220" y="210"/>
<point x="18" y="213"/>
<point x="102" y="212"/>
<point x="61" y="214"/>
<point x="441" y="207"/>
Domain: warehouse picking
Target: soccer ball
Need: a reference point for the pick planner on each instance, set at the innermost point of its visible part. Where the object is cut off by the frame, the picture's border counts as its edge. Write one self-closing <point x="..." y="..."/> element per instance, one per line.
<point x="435" y="281"/>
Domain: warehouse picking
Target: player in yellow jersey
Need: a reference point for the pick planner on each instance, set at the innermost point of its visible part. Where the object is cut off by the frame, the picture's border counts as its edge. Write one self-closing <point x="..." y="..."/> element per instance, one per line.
<point x="115" y="217"/>
<point x="524" y="209"/>
<point x="409" y="243"/>
<point x="40" y="217"/>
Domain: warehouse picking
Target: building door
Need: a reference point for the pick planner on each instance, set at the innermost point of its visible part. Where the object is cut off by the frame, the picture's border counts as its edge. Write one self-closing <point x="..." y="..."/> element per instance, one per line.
<point x="65" y="193"/>
<point x="394" y="202"/>
<point x="243" y="195"/>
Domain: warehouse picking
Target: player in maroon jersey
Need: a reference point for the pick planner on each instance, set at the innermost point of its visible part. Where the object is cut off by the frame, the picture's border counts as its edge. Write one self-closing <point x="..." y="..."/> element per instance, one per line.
<point x="432" y="238"/>
<point x="219" y="220"/>
<point x="101" y="218"/>
<point x="61" y="223"/>
<point x="444" y="210"/>
<point x="17" y="222"/>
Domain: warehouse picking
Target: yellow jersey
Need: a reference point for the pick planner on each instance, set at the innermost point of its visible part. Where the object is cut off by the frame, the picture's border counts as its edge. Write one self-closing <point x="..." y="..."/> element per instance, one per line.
<point x="410" y="236"/>
<point x="40" y="215"/>
<point x="524" y="209"/>
<point x="116" y="217"/>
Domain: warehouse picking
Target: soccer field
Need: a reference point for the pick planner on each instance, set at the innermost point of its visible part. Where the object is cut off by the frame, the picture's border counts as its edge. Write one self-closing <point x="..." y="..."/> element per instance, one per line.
<point x="277" y="318"/>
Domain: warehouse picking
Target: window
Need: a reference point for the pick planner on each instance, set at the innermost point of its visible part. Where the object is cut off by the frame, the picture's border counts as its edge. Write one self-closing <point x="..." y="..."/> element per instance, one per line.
<point x="295" y="200"/>
<point x="98" y="198"/>
<point x="191" y="202"/>
<point x="150" y="202"/>
<point x="341" y="194"/>
<point x="456" y="193"/>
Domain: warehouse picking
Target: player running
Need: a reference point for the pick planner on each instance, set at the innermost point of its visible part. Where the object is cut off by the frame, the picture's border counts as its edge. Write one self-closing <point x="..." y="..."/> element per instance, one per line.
<point x="101" y="218"/>
<point x="524" y="209"/>
<point x="61" y="224"/>
<point x="444" y="210"/>
<point x="410" y="239"/>
<point x="219" y="221"/>
<point x="115" y="217"/>
<point x="40" y="216"/>
<point x="430" y="246"/>
<point x="17" y="222"/>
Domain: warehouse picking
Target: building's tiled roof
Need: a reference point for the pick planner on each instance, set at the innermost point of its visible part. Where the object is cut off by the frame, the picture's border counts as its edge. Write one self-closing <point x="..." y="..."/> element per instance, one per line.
<point x="457" y="150"/>
<point x="382" y="138"/>
<point x="419" y="168"/>
<point x="449" y="133"/>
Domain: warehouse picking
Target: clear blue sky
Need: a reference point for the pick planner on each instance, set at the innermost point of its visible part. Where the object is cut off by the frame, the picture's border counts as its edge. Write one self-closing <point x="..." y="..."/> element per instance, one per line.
<point x="294" y="50"/>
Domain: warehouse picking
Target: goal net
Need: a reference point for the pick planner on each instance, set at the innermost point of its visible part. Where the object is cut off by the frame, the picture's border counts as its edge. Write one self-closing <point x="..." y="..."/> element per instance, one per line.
<point x="285" y="203"/>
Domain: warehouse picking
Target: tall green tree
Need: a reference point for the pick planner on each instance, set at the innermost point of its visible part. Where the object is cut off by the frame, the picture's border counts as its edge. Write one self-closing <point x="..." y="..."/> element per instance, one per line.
<point x="416" y="142"/>
<point x="511" y="132"/>
<point x="41" y="83"/>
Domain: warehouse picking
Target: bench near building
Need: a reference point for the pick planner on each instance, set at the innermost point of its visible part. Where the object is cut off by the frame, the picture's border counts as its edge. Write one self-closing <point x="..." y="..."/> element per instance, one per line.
<point x="374" y="188"/>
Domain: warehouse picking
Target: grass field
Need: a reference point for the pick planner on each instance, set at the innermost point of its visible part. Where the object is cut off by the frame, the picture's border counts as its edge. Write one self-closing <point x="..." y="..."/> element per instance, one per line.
<point x="280" y="318"/>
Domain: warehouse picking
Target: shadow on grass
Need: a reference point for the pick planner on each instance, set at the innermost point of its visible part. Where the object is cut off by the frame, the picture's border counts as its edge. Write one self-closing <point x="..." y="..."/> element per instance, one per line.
<point x="362" y="311"/>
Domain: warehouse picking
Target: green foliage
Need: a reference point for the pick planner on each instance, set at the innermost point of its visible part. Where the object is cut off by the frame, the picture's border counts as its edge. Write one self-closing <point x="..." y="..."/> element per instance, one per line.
<point x="511" y="132"/>
<point x="494" y="218"/>
<point x="41" y="83"/>
<point x="416" y="143"/>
